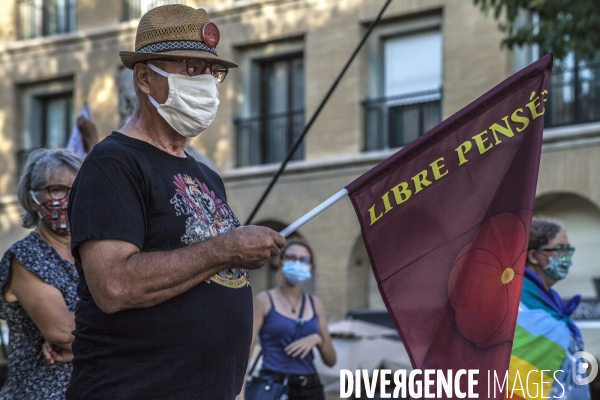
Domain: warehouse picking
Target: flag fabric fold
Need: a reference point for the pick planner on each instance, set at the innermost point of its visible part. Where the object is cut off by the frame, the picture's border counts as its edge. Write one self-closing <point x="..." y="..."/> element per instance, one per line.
<point x="446" y="224"/>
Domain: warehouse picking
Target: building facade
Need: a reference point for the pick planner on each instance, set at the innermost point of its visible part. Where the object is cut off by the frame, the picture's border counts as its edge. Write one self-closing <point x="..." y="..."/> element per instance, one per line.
<point x="424" y="61"/>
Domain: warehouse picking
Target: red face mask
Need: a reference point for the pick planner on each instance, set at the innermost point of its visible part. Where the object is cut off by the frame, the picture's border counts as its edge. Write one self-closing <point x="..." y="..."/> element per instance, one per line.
<point x="54" y="214"/>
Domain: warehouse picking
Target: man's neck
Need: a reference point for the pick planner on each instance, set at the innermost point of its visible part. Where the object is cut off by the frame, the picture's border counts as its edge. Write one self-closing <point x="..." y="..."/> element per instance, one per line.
<point x="147" y="125"/>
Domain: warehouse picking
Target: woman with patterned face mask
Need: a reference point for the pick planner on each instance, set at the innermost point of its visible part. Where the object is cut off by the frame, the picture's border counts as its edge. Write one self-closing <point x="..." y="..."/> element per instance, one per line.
<point x="545" y="336"/>
<point x="286" y="349"/>
<point x="550" y="253"/>
<point x="39" y="281"/>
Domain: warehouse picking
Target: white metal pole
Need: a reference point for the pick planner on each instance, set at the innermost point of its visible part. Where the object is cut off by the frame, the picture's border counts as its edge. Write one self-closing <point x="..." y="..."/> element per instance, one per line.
<point x="314" y="212"/>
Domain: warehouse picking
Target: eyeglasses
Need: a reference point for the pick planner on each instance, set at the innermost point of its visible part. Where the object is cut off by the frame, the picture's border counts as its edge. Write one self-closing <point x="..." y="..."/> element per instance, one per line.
<point x="56" y="192"/>
<point x="561" y="250"/>
<point x="196" y="66"/>
<point x="303" y="259"/>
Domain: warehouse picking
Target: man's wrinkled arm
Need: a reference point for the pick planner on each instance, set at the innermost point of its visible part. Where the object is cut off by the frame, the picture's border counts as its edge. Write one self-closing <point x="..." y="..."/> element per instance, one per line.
<point x="120" y="276"/>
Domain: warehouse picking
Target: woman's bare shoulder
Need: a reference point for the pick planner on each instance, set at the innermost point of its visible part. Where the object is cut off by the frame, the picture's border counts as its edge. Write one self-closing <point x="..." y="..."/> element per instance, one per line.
<point x="261" y="300"/>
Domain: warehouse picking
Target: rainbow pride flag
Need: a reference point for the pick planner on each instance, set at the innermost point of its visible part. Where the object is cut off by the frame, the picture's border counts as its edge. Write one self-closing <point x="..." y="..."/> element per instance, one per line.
<point x="544" y="344"/>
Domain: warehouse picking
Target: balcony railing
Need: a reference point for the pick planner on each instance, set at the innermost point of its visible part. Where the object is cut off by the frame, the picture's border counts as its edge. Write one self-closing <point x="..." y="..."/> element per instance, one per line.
<point x="396" y="121"/>
<point x="268" y="138"/>
<point x="133" y="9"/>
<point x="574" y="96"/>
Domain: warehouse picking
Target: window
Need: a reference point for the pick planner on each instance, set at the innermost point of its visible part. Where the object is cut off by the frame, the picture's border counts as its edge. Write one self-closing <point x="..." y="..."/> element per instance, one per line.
<point x="56" y="112"/>
<point x="133" y="9"/>
<point x="574" y="93"/>
<point x="267" y="136"/>
<point x="46" y="17"/>
<point x="410" y="91"/>
<point x="48" y="117"/>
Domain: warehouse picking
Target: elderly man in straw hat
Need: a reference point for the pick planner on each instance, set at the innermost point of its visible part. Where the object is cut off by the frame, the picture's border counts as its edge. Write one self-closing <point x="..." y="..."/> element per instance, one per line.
<point x="166" y="307"/>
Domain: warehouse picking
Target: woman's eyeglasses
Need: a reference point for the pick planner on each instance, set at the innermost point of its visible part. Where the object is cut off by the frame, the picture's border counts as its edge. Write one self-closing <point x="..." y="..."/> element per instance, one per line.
<point x="196" y="66"/>
<point x="561" y="250"/>
<point x="303" y="259"/>
<point x="56" y="192"/>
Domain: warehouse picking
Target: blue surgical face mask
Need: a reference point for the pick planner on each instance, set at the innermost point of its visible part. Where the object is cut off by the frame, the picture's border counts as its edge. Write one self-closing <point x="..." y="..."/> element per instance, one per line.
<point x="558" y="267"/>
<point x="296" y="272"/>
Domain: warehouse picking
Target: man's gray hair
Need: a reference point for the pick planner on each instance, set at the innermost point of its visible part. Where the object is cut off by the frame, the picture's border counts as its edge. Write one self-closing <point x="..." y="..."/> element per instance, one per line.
<point x="41" y="165"/>
<point x="543" y="230"/>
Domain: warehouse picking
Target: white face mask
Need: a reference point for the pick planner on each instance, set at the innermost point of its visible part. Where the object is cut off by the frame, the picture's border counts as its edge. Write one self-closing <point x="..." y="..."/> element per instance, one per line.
<point x="192" y="103"/>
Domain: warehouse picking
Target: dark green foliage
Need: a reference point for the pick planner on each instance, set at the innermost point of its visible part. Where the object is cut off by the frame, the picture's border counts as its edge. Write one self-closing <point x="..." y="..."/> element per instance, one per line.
<point x="565" y="25"/>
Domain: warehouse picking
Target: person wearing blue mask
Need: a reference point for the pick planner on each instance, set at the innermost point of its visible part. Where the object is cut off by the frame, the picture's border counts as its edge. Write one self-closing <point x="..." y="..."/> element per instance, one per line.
<point x="276" y="313"/>
<point x="546" y="339"/>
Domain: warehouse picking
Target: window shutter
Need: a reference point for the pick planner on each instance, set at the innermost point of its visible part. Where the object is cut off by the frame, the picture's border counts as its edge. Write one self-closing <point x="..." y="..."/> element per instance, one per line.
<point x="413" y="64"/>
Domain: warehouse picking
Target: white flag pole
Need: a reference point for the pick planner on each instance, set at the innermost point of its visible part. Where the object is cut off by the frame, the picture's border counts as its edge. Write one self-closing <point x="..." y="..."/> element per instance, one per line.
<point x="314" y="212"/>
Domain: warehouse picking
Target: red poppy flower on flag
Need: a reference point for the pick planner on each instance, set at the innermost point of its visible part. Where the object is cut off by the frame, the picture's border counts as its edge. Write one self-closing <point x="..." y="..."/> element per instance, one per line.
<point x="485" y="280"/>
<point x="446" y="223"/>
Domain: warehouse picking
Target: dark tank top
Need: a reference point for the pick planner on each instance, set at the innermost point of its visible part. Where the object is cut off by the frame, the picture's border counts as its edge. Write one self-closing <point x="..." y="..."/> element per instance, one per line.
<point x="277" y="333"/>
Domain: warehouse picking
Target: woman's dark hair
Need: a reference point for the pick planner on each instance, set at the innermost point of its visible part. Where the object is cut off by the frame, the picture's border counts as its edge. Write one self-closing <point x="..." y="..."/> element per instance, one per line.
<point x="543" y="230"/>
<point x="297" y="242"/>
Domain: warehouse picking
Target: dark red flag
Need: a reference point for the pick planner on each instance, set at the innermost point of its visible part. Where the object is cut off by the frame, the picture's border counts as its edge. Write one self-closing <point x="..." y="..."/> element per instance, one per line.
<point x="446" y="224"/>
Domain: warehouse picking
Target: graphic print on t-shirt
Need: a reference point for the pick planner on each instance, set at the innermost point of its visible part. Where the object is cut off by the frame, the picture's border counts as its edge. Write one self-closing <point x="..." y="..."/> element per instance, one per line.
<point x="208" y="216"/>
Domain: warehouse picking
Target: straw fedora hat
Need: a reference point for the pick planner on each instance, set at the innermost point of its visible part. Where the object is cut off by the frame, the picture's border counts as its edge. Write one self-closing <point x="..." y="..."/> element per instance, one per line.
<point x="175" y="31"/>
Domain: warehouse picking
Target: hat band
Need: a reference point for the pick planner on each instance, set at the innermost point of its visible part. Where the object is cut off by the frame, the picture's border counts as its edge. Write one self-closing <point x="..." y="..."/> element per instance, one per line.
<point x="177" y="45"/>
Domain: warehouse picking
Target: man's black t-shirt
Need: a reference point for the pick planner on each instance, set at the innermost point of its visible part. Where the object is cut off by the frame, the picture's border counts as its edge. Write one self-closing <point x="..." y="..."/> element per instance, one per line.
<point x="192" y="346"/>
